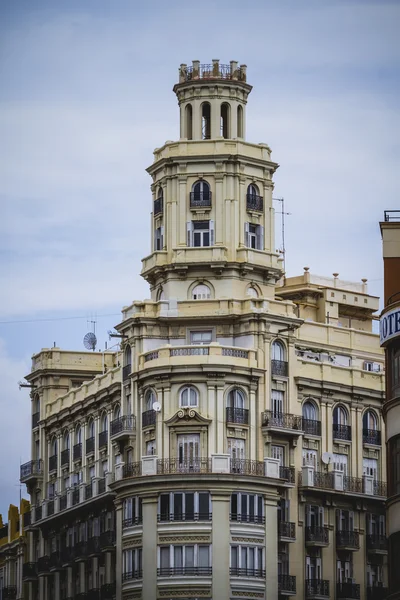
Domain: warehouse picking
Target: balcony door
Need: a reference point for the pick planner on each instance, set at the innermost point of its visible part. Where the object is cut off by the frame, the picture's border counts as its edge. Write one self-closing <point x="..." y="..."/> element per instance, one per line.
<point x="340" y="463"/>
<point x="277" y="403"/>
<point x="344" y="571"/>
<point x="189" y="451"/>
<point x="278" y="452"/>
<point x="313" y="568"/>
<point x="314" y="516"/>
<point x="370" y="467"/>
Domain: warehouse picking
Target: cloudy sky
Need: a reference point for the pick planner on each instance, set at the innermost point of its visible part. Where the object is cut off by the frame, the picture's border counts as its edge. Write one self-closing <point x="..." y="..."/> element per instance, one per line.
<point x="85" y="97"/>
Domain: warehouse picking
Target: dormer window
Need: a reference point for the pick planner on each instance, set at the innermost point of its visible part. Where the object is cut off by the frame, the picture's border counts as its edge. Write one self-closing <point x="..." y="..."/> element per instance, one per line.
<point x="200" y="194"/>
<point x="253" y="199"/>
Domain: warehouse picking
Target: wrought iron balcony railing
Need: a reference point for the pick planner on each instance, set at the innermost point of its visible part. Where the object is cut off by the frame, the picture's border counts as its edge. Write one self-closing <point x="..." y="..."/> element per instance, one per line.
<point x="183" y="516"/>
<point x="246" y="518"/>
<point x="50" y="508"/>
<point x="317" y="587"/>
<point x="90" y="442"/>
<point x="149" y="418"/>
<point x="101" y="486"/>
<point x="103" y="439"/>
<point x="107" y="539"/>
<point x="126" y="371"/>
<point x="88" y="491"/>
<point x="132" y="469"/>
<point x="126" y="423"/>
<point x="33" y="468"/>
<point x="108" y="591"/>
<point x="279" y="367"/>
<point x="341" y="432"/>
<point x="200" y="199"/>
<point x="287" y="530"/>
<point x="347" y="539"/>
<point x="93" y="545"/>
<point x="376" y="541"/>
<point x="168" y="466"/>
<point x="29" y="570"/>
<point x="288" y="474"/>
<point x="77" y="452"/>
<point x="237" y="415"/>
<point x="287" y="583"/>
<point x="271" y="418"/>
<point x="317" y="535"/>
<point x="353" y="484"/>
<point x="43" y="565"/>
<point x="311" y="427"/>
<point x="136" y="574"/>
<point x="242" y="466"/>
<point x="63" y="501"/>
<point x="243" y="572"/>
<point x="9" y="592"/>
<point x="75" y="496"/>
<point x="254" y="202"/>
<point x="377" y="592"/>
<point x="348" y="590"/>
<point x="65" y="457"/>
<point x="53" y="462"/>
<point x="184" y="571"/>
<point x="35" y="419"/>
<point x="132" y="521"/>
<point x="372" y="436"/>
<point x="158" y="206"/>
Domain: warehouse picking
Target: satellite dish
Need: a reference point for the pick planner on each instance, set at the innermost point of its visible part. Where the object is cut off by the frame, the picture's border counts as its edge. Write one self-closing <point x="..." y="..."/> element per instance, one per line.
<point x="90" y="341"/>
<point x="327" y="458"/>
<point x="157" y="406"/>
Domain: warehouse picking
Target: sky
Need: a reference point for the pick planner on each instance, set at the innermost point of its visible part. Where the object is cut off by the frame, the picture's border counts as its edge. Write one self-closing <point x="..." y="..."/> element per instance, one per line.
<point x="86" y="96"/>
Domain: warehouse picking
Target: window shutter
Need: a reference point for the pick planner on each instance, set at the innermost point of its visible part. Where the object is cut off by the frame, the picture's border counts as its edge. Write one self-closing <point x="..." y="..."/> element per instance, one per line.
<point x="381" y="524"/>
<point x="189" y="229"/>
<point x="161" y="237"/>
<point x="260" y="237"/>
<point x="351" y="520"/>
<point x="321" y="516"/>
<point x="211" y="233"/>
<point x="246" y="235"/>
<point x="308" y="515"/>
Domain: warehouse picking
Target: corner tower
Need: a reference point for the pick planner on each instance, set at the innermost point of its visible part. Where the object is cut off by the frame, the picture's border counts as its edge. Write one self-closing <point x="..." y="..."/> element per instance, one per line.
<point x="212" y="219"/>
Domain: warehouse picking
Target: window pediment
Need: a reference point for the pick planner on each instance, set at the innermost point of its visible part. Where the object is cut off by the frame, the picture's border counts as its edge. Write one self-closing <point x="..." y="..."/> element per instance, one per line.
<point x="187" y="416"/>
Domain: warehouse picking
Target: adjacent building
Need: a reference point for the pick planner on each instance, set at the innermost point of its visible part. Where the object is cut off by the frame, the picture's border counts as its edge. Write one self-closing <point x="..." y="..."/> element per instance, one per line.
<point x="13" y="551"/>
<point x="234" y="448"/>
<point x="390" y="340"/>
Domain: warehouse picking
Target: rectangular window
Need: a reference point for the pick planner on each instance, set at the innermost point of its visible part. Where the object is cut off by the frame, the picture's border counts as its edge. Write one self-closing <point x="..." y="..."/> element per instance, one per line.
<point x="344" y="520"/>
<point x="254" y="236"/>
<point x="159" y="238"/>
<point x="184" y="560"/>
<point x="279" y="453"/>
<point x="247" y="561"/>
<point x="132" y="511"/>
<point x="340" y="463"/>
<point x="314" y="516"/>
<point x="277" y="397"/>
<point x="200" y="233"/>
<point x="186" y="506"/>
<point x="132" y="563"/>
<point x="199" y="338"/>
<point x="247" y="508"/>
<point x="370" y="467"/>
<point x="189" y="451"/>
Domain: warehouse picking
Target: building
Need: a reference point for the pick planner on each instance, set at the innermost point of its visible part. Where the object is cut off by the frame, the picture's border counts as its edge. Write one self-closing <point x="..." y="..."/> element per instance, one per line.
<point x="390" y="340"/>
<point x="13" y="551"/>
<point x="234" y="448"/>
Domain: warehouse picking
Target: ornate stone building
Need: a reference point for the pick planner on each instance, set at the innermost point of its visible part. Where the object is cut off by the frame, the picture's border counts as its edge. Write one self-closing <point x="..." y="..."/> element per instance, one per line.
<point x="233" y="448"/>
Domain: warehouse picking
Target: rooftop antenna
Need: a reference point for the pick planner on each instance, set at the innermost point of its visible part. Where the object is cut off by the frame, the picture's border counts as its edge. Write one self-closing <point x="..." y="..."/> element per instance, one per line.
<point x="90" y="339"/>
<point x="283" y="213"/>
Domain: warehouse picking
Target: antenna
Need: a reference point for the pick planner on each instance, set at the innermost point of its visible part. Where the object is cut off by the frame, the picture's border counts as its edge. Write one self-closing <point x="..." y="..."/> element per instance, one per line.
<point x="156" y="406"/>
<point x="283" y="213"/>
<point x="327" y="458"/>
<point x="90" y="341"/>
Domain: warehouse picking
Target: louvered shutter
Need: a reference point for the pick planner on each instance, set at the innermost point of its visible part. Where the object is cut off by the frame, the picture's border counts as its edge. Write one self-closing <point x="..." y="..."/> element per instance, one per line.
<point x="246" y="235"/>
<point x="211" y="233"/>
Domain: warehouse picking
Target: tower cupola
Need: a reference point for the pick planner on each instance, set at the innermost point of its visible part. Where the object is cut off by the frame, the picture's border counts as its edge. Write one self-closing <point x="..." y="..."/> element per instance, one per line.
<point x="212" y="100"/>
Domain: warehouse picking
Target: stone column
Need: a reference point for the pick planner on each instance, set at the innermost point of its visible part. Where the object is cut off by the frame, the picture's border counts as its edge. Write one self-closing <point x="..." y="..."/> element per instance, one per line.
<point x="118" y="548"/>
<point x="149" y="548"/>
<point x="271" y="548"/>
<point x="219" y="203"/>
<point x="233" y="121"/>
<point x="215" y="119"/>
<point x="57" y="591"/>
<point x="182" y="217"/>
<point x="82" y="580"/>
<point x="220" y="421"/>
<point x="70" y="583"/>
<point x="220" y="545"/>
<point x="109" y="578"/>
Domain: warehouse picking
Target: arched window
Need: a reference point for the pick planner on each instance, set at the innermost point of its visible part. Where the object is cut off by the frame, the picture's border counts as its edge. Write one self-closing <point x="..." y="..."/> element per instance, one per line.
<point x="54" y="446"/>
<point x="117" y="412"/>
<point x="201" y="292"/>
<point x="160" y="194"/>
<point x="370" y="421"/>
<point x="78" y="435"/>
<point x="224" y="121"/>
<point x="160" y="294"/>
<point x="311" y="424"/>
<point x="253" y="190"/>
<point x="235" y="399"/>
<point x="201" y="194"/>
<point x="339" y="416"/>
<point x="205" y="121"/>
<point x="278" y="351"/>
<point x="189" y="397"/>
<point x="150" y="398"/>
<point x="104" y="423"/>
<point x="66" y="441"/>
<point x="310" y="411"/>
<point x="252" y="292"/>
<point x="240" y="122"/>
<point x="128" y="355"/>
<point x="91" y="428"/>
<point x="189" y="121"/>
<point x="36" y="404"/>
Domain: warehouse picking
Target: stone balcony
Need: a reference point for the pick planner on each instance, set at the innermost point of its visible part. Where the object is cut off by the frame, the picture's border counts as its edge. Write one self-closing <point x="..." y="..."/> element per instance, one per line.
<point x="336" y="481"/>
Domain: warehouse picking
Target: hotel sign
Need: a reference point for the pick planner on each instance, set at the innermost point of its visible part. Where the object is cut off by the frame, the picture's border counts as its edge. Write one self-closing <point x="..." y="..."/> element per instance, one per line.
<point x="389" y="325"/>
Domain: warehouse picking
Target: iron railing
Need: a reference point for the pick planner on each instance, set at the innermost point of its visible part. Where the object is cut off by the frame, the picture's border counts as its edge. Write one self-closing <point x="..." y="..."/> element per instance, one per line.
<point x="88" y="491"/>
<point x="237" y="415"/>
<point x="149" y="418"/>
<point x="287" y="583"/>
<point x="75" y="496"/>
<point x="136" y="574"/>
<point x="77" y="452"/>
<point x="9" y="592"/>
<point x="380" y="488"/>
<point x="27" y="518"/>
<point x="132" y="469"/>
<point x="158" y="206"/>
<point x="348" y="590"/>
<point x="254" y="202"/>
<point x="184" y="571"/>
<point x="341" y="432"/>
<point x="244" y="466"/>
<point x="126" y="371"/>
<point x="317" y="535"/>
<point x="372" y="436"/>
<point x="317" y="587"/>
<point x="93" y="545"/>
<point x="31" y="469"/>
<point x="184" y="516"/>
<point x="170" y="466"/>
<point x="347" y="539"/>
<point x="50" y="508"/>
<point x="353" y="484"/>
<point x="288" y="474"/>
<point x="103" y="439"/>
<point x="311" y="427"/>
<point x="35" y="419"/>
<point x="38" y="512"/>
<point x="101" y="486"/>
<point x="107" y="539"/>
<point x="65" y="457"/>
<point x="271" y="418"/>
<point x="217" y="71"/>
<point x="375" y="541"/>
<point x="246" y="518"/>
<point x="108" y="591"/>
<point x="200" y="198"/>
<point x="323" y="480"/>
<point x="279" y="367"/>
<point x="377" y="592"/>
<point x="29" y="570"/>
<point x="131" y="522"/>
<point x="287" y="530"/>
<point x="90" y="442"/>
<point x="63" y="502"/>
<point x="53" y="462"/>
<point x="126" y="423"/>
<point x="243" y="572"/>
<point x="43" y="564"/>
<point x="392" y="215"/>
<point x="55" y="560"/>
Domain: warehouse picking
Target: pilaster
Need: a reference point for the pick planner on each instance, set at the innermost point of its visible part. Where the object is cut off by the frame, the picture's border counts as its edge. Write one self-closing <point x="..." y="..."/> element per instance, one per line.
<point x="149" y="547"/>
<point x="220" y="545"/>
<point x="271" y="549"/>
